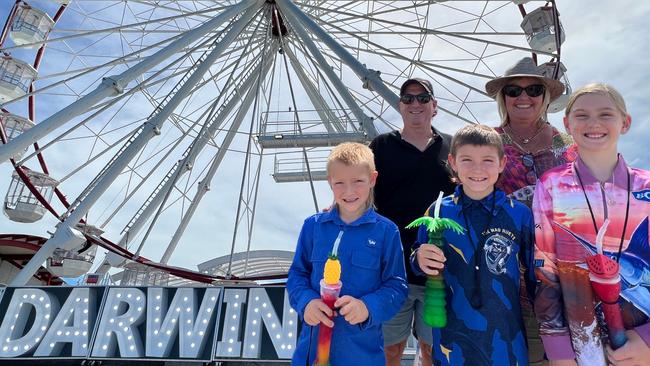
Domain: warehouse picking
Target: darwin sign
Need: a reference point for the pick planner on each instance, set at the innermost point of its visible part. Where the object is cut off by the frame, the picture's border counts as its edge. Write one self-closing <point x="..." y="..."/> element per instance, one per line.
<point x="147" y="323"/>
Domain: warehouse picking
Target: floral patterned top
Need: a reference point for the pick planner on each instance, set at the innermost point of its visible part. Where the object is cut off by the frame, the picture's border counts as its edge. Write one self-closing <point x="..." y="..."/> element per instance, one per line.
<point x="516" y="177"/>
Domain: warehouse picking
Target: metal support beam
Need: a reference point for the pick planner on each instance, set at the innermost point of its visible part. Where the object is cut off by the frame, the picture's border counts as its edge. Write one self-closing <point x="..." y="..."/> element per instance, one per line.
<point x="204" y="184"/>
<point x="114" y="85"/>
<point x="328" y="118"/>
<point x="197" y="146"/>
<point x="208" y="130"/>
<point x="65" y="236"/>
<point x="296" y="18"/>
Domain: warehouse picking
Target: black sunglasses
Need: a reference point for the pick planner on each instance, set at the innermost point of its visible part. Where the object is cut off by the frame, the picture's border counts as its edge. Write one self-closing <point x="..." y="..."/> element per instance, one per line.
<point x="423" y="98"/>
<point x="513" y="91"/>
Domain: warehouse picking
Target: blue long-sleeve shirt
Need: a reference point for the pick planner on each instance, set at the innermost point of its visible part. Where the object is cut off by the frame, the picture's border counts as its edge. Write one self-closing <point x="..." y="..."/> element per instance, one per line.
<point x="372" y="270"/>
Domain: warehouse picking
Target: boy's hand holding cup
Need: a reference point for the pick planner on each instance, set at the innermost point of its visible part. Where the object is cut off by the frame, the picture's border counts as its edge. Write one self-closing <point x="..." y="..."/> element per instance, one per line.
<point x="353" y="309"/>
<point x="318" y="312"/>
<point x="431" y="259"/>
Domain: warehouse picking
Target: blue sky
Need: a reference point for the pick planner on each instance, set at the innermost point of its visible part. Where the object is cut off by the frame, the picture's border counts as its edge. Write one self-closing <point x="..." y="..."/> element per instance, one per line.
<point x="604" y="42"/>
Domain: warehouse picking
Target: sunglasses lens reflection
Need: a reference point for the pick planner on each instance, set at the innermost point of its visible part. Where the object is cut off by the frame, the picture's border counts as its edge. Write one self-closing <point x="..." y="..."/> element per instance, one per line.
<point x="424" y="98"/>
<point x="410" y="98"/>
<point x="534" y="90"/>
<point x="407" y="98"/>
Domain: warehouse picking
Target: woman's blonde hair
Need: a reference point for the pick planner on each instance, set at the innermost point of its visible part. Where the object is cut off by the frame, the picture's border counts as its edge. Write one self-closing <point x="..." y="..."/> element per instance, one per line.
<point x="600" y="89"/>
<point x="503" y="112"/>
<point x="354" y="154"/>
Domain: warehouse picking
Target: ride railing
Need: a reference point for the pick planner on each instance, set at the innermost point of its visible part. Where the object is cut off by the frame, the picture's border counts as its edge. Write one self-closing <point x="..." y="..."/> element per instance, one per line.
<point x="298" y="169"/>
<point x="14" y="79"/>
<point x="20" y="25"/>
<point x="138" y="275"/>
<point x="308" y="128"/>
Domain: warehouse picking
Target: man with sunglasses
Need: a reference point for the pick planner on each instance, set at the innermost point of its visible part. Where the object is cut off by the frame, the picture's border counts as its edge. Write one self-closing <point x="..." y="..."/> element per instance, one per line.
<point x="412" y="170"/>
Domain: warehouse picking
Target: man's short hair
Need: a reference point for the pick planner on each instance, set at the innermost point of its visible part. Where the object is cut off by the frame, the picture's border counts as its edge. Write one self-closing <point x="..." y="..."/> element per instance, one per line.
<point x="426" y="84"/>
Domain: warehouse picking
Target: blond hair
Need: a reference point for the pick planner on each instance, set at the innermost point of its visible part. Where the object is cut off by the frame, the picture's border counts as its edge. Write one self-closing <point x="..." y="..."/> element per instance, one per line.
<point x="503" y="111"/>
<point x="600" y="89"/>
<point x="354" y="154"/>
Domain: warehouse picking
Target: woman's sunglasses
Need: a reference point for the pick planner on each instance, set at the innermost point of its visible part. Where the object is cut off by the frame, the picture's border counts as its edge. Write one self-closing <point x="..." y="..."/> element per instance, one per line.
<point x="423" y="98"/>
<point x="513" y="91"/>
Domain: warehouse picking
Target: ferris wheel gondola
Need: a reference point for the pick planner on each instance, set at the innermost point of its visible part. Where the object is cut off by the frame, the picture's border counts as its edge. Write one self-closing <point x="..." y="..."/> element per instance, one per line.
<point x="147" y="105"/>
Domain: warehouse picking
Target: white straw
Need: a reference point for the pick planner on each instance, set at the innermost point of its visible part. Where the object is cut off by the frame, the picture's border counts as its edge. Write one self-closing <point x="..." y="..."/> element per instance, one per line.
<point x="335" y="250"/>
<point x="600" y="236"/>
<point x="436" y="211"/>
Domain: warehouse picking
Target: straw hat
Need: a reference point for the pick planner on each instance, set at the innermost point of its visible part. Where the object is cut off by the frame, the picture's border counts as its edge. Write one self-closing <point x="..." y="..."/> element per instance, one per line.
<point x="525" y="68"/>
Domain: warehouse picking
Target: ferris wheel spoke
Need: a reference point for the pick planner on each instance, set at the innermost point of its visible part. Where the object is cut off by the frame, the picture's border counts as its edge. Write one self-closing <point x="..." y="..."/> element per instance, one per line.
<point x="370" y="24"/>
<point x="157" y="5"/>
<point x="485" y="14"/>
<point x="86" y="70"/>
<point x="179" y="119"/>
<point x="331" y="123"/>
<point x="107" y="88"/>
<point x="239" y="117"/>
<point x="95" y="157"/>
<point x="425" y="66"/>
<point x="229" y="71"/>
<point x="228" y="138"/>
<point x="103" y="107"/>
<point x="370" y="17"/>
<point x="107" y="31"/>
<point x="169" y="106"/>
<point x="144" y="179"/>
<point x="465" y="99"/>
<point x="437" y="31"/>
<point x="429" y="66"/>
<point x="359" y="69"/>
<point x="84" y="202"/>
<point x="157" y="198"/>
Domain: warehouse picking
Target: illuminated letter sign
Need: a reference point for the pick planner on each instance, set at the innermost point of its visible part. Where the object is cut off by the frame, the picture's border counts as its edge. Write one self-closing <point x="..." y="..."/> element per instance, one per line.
<point x="229" y="344"/>
<point x="117" y="334"/>
<point x="260" y="311"/>
<point x="35" y="325"/>
<point x="165" y="321"/>
<point x="72" y="325"/>
<point x="154" y="323"/>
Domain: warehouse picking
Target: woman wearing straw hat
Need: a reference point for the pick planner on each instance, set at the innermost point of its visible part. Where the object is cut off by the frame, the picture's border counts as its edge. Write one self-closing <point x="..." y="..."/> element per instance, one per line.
<point x="532" y="146"/>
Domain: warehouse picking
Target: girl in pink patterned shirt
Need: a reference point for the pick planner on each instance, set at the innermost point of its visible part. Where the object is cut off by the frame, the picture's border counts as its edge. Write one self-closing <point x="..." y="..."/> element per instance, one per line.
<point x="571" y="204"/>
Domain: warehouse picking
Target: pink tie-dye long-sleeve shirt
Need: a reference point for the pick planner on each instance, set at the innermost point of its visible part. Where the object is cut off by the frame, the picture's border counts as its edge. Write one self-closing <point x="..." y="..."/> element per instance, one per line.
<point x="570" y="318"/>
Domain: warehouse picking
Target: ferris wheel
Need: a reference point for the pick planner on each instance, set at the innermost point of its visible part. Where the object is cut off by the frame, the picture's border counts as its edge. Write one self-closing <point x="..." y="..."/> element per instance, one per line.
<point x="118" y="117"/>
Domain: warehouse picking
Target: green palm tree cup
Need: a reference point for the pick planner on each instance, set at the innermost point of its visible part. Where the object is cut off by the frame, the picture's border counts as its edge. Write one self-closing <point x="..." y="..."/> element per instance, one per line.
<point x="435" y="312"/>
